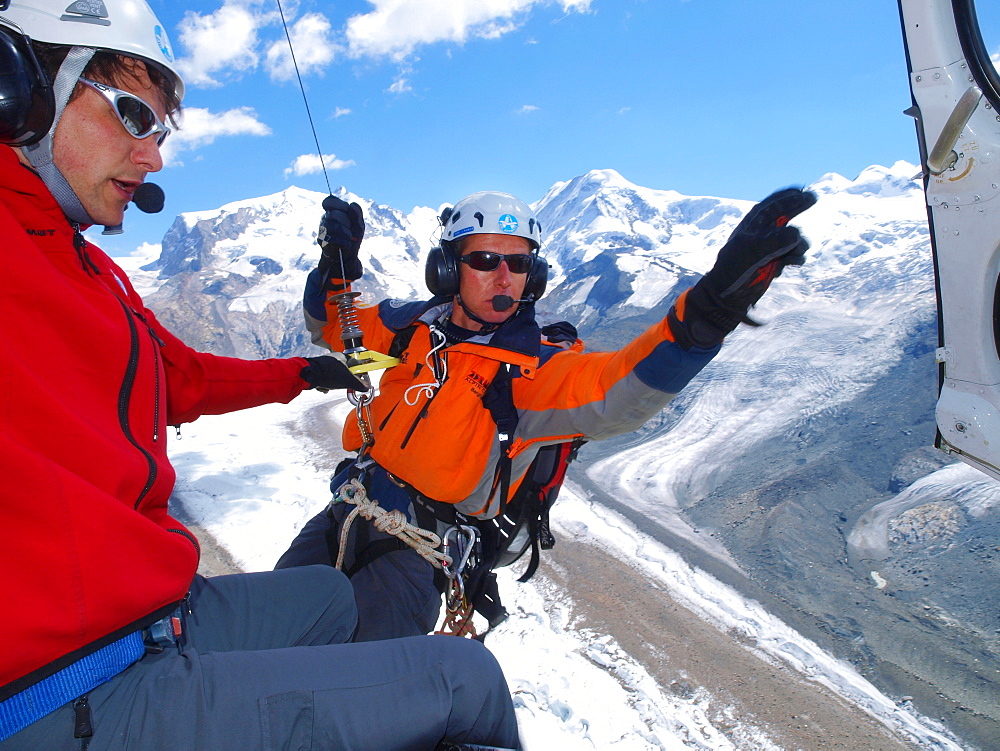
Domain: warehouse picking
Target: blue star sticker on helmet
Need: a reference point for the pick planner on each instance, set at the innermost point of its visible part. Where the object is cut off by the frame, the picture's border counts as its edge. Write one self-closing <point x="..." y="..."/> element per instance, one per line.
<point x="508" y="223"/>
<point x="161" y="40"/>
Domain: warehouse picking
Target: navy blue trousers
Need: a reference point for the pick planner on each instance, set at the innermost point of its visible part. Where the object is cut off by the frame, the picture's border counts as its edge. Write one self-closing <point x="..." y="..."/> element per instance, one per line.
<point x="262" y="666"/>
<point x="395" y="593"/>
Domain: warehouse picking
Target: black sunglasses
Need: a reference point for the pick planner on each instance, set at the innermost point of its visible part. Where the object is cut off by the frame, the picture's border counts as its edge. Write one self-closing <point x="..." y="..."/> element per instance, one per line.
<point x="484" y="260"/>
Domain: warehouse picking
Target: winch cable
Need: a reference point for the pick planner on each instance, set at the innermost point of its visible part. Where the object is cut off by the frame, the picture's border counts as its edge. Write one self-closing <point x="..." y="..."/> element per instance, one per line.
<point x="360" y="359"/>
<point x="424" y="542"/>
<point x="305" y="100"/>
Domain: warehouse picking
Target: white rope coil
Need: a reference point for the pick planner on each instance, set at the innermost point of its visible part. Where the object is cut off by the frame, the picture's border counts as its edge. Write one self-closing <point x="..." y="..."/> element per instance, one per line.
<point x="423" y="541"/>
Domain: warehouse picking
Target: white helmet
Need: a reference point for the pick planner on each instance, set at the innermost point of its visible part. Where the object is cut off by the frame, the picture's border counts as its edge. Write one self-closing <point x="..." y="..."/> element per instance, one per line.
<point x="125" y="26"/>
<point x="493" y="214"/>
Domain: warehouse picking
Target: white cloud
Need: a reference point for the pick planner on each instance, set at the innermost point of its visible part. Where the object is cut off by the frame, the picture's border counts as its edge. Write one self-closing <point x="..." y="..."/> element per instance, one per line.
<point x="230" y="42"/>
<point x="527" y="109"/>
<point x="146" y="249"/>
<point x="221" y="42"/>
<point x="309" y="164"/>
<point x="399" y="86"/>
<point x="396" y="27"/>
<point x="340" y="112"/>
<point x="314" y="49"/>
<point x="200" y="127"/>
<point x="147" y="252"/>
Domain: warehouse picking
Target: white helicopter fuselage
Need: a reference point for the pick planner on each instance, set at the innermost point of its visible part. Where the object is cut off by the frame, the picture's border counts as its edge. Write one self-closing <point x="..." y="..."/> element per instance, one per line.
<point x="958" y="126"/>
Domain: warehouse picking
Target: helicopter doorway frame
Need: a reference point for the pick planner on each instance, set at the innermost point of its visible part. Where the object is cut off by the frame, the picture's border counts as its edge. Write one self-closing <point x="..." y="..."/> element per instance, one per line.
<point x="956" y="103"/>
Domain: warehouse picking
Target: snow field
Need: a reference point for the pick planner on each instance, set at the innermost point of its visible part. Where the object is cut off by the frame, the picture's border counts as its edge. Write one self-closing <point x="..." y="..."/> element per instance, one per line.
<point x="250" y="480"/>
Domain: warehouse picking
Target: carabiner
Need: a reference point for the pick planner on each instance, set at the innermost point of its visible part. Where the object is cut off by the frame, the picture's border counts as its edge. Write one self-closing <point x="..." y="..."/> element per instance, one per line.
<point x="459" y="543"/>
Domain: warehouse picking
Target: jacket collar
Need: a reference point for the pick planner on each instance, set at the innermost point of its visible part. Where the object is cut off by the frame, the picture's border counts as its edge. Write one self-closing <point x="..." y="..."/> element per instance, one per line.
<point x="521" y="334"/>
<point x="21" y="186"/>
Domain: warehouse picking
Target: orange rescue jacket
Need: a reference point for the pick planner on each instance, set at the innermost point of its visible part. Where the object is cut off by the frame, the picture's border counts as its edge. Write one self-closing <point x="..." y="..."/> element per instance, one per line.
<point x="443" y="440"/>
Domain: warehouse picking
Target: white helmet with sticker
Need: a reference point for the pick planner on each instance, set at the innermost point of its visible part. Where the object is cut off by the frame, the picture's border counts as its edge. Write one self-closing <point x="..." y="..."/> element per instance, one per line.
<point x="128" y="27"/>
<point x="494" y="214"/>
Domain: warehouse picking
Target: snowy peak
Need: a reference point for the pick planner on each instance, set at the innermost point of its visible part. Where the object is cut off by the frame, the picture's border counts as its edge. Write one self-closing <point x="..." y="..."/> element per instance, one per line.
<point x="620" y="249"/>
<point x="219" y="239"/>
<point x="233" y="276"/>
<point x="600" y="209"/>
<point x="901" y="179"/>
<point x="617" y="250"/>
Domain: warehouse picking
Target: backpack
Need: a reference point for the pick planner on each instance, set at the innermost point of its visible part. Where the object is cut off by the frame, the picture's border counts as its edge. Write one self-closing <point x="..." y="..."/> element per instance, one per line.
<point x="524" y="520"/>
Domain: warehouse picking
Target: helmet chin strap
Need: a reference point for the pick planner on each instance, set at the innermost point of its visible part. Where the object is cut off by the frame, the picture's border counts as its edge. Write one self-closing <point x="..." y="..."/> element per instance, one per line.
<point x="40" y="154"/>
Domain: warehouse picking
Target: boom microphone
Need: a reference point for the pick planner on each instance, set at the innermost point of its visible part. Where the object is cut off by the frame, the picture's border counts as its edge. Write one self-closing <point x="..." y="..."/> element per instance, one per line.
<point x="506" y="302"/>
<point x="148" y="198"/>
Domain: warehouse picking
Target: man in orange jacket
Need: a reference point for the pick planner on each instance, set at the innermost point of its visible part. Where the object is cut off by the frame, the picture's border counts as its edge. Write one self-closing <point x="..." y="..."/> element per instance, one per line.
<point x="109" y="636"/>
<point x="431" y="441"/>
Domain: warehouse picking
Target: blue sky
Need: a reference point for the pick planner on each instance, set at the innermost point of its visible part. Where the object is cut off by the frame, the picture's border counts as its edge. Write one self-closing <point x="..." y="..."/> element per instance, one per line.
<point x="420" y="102"/>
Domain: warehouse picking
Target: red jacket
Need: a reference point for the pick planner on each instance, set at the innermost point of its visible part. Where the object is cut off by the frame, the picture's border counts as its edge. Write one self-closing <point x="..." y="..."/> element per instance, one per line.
<point x="89" y="380"/>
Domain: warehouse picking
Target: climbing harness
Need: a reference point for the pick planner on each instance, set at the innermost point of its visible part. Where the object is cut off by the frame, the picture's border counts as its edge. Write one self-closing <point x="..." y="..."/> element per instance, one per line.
<point x="472" y="548"/>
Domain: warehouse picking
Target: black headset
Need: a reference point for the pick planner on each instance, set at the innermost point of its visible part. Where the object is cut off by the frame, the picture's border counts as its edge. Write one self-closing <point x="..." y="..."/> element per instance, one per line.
<point x="27" y="103"/>
<point x="441" y="272"/>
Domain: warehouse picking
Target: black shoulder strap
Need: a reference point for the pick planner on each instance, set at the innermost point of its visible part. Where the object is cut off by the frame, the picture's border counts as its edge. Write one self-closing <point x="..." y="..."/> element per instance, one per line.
<point x="401" y="341"/>
<point x="499" y="400"/>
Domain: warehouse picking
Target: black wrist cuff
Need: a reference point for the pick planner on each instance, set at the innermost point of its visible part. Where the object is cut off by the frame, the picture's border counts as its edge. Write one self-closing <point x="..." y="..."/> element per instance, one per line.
<point x="707" y="318"/>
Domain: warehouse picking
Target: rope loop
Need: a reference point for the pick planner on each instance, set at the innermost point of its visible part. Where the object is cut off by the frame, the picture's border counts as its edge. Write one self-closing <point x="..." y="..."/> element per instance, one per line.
<point x="458" y="616"/>
<point x="423" y="541"/>
<point x="436" y="365"/>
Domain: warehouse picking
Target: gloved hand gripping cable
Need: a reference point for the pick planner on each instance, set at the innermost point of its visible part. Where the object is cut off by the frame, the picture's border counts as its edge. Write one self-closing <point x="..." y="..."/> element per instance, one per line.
<point x="340" y="234"/>
<point x="341" y="231"/>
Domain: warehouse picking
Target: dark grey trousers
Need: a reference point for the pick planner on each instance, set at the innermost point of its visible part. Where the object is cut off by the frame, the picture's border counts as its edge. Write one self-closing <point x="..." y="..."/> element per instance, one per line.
<point x="395" y="593"/>
<point x="262" y="668"/>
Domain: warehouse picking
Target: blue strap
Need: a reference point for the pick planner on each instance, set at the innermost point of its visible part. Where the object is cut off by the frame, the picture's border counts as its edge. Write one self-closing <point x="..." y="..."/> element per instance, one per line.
<point x="36" y="701"/>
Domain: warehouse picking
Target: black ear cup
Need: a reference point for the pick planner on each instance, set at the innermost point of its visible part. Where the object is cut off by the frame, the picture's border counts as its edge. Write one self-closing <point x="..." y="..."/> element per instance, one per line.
<point x="538" y="277"/>
<point x="441" y="272"/>
<point x="27" y="104"/>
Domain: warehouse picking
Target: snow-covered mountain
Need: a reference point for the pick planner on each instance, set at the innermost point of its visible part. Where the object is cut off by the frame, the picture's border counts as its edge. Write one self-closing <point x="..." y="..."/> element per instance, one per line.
<point x="777" y="467"/>
<point x="230" y="280"/>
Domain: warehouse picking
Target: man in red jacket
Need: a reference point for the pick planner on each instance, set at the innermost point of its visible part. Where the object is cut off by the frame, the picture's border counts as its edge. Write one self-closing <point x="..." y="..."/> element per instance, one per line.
<point x="108" y="637"/>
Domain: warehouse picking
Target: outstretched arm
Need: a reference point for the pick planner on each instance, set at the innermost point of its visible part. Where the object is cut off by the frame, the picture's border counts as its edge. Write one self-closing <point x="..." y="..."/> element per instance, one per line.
<point x="605" y="394"/>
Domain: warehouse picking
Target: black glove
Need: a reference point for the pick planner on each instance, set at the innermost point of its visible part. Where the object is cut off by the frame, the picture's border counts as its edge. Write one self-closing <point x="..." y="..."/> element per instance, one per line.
<point x="329" y="372"/>
<point x="757" y="251"/>
<point x="340" y="233"/>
